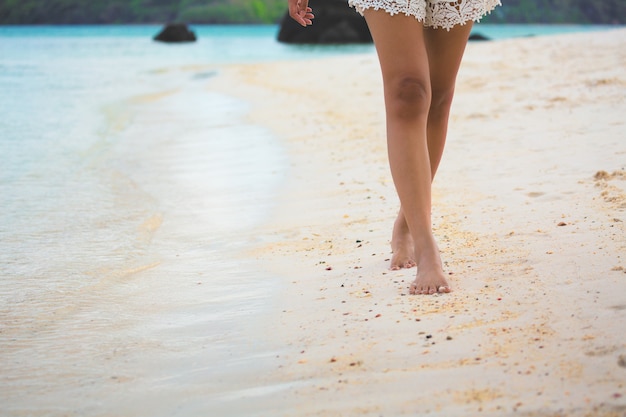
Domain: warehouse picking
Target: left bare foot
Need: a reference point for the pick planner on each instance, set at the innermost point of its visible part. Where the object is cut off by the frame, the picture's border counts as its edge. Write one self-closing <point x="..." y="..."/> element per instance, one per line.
<point x="402" y="246"/>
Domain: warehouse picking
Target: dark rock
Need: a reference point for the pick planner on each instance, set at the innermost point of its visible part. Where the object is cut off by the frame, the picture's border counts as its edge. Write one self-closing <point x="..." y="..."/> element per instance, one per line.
<point x="335" y="23"/>
<point x="340" y="33"/>
<point x="478" y="37"/>
<point x="175" y="32"/>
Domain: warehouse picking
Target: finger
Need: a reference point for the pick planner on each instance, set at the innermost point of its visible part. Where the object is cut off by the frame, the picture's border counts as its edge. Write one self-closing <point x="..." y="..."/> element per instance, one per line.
<point x="300" y="12"/>
<point x="294" y="11"/>
<point x="304" y="21"/>
<point x="308" y="12"/>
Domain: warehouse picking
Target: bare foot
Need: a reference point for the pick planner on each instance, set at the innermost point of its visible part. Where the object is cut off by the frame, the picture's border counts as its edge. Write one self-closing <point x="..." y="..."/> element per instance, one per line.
<point x="402" y="246"/>
<point x="430" y="278"/>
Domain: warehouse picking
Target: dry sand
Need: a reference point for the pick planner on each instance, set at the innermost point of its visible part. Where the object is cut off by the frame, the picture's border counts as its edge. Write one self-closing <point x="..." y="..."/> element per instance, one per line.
<point x="529" y="210"/>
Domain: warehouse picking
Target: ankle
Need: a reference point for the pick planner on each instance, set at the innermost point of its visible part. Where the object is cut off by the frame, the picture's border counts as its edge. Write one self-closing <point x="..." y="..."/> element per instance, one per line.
<point x="427" y="251"/>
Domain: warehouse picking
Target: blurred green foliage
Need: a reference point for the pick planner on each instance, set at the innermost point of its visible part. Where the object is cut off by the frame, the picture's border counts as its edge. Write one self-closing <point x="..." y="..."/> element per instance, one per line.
<point x="140" y="11"/>
<point x="270" y="11"/>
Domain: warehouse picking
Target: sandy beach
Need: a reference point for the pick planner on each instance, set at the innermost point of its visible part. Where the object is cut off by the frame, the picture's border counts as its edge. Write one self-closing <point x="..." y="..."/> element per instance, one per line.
<point x="184" y="236"/>
<point x="529" y="210"/>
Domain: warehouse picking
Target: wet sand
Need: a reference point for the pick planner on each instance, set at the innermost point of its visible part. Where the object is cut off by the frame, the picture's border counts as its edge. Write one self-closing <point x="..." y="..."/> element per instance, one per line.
<point x="529" y="210"/>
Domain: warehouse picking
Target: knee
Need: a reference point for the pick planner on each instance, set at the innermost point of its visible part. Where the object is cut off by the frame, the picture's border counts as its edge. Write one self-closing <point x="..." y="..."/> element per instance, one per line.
<point x="408" y="97"/>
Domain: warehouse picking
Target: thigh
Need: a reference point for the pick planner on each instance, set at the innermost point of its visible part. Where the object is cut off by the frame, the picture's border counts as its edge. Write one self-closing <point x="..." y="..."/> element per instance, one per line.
<point x="445" y="50"/>
<point x="399" y="41"/>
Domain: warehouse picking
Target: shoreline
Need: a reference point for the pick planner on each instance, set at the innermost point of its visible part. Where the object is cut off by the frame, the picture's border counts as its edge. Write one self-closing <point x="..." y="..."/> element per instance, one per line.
<point x="528" y="232"/>
<point x="124" y="289"/>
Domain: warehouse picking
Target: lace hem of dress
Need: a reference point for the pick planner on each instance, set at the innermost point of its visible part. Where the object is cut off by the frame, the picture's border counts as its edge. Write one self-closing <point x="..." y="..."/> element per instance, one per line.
<point x="436" y="14"/>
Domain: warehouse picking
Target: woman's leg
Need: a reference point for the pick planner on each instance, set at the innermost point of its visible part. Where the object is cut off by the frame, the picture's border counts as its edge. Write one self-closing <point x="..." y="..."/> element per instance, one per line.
<point x="403" y="60"/>
<point x="403" y="49"/>
<point x="445" y="51"/>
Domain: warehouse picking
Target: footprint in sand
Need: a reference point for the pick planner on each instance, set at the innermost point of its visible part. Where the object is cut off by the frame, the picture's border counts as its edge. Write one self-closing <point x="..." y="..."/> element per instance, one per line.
<point x="614" y="193"/>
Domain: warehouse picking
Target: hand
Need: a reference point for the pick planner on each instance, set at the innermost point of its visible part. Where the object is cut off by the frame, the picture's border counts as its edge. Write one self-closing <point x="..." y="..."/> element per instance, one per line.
<point x="300" y="11"/>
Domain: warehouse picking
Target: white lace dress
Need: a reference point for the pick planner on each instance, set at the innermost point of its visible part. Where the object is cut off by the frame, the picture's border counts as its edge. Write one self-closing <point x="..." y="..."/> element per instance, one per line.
<point x="433" y="13"/>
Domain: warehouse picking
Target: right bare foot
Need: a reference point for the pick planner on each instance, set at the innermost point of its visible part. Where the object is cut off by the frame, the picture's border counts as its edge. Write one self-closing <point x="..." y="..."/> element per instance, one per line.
<point x="402" y="246"/>
<point x="429" y="281"/>
<point x="430" y="278"/>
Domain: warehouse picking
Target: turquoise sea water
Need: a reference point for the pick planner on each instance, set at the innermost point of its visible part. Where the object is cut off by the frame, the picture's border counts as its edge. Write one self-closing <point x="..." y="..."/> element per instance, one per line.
<point x="128" y="190"/>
